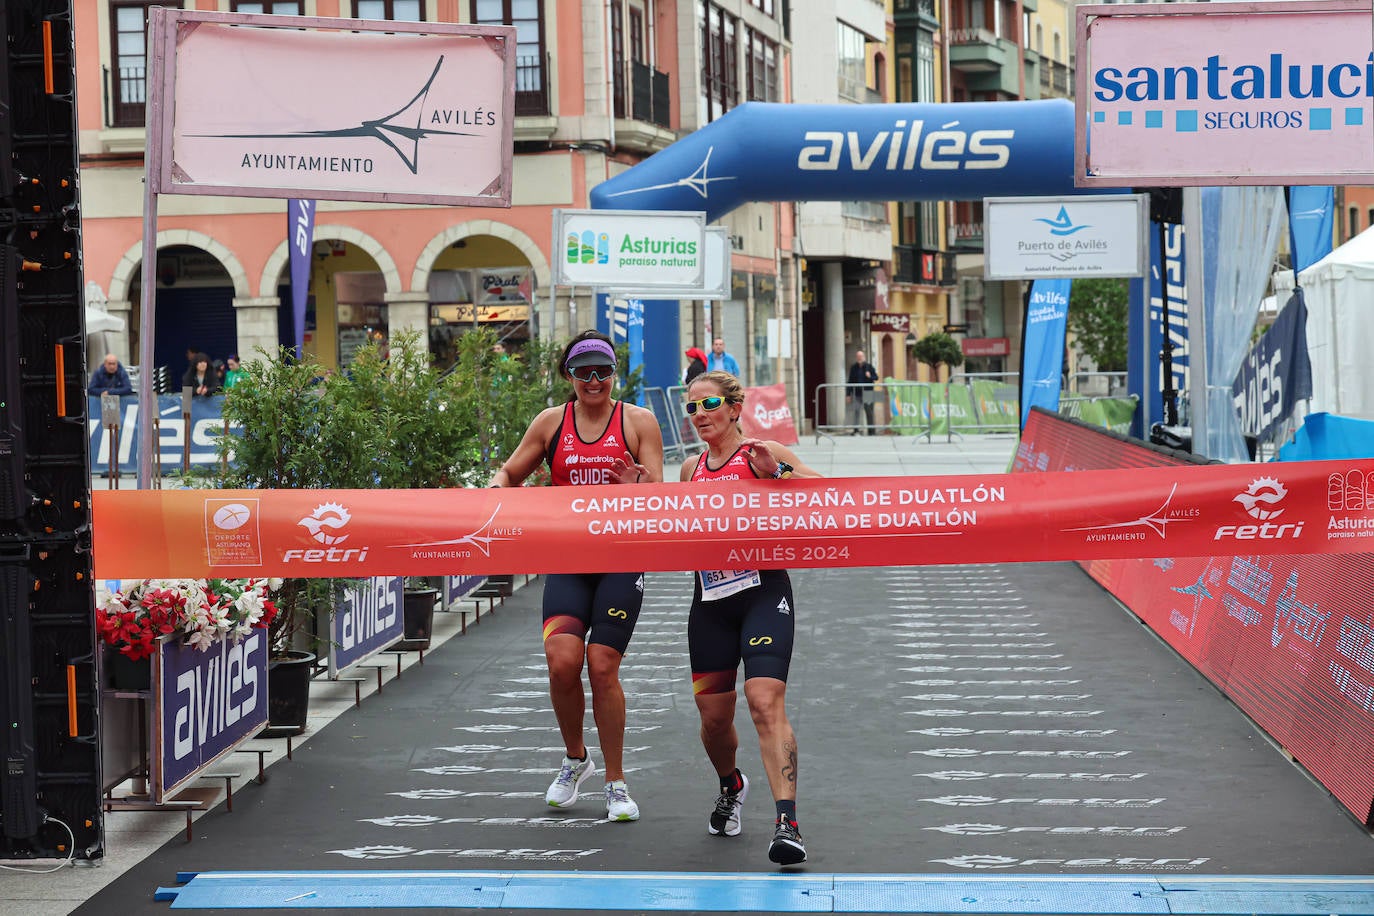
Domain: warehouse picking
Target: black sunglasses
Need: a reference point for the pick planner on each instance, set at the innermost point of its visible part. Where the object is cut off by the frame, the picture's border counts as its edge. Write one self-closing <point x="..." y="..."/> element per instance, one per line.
<point x="592" y="373"/>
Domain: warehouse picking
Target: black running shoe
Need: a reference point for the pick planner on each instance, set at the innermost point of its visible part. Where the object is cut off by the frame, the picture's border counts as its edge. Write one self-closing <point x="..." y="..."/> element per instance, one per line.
<point x="786" y="848"/>
<point x="725" y="818"/>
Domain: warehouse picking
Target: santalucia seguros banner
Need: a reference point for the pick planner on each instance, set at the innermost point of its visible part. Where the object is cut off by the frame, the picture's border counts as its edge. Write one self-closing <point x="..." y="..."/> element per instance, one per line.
<point x="756" y="524"/>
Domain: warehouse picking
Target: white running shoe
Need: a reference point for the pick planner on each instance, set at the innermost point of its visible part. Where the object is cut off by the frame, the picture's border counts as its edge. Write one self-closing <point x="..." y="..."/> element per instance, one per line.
<point x="726" y="816"/>
<point x="563" y="790"/>
<point x="619" y="805"/>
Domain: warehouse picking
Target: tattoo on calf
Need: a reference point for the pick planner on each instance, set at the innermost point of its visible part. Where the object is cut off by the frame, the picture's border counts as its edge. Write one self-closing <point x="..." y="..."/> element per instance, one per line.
<point x="789" y="769"/>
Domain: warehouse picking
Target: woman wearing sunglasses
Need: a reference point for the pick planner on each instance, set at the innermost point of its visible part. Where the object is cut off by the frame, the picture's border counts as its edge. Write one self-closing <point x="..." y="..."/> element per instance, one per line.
<point x="589" y="617"/>
<point x="743" y="614"/>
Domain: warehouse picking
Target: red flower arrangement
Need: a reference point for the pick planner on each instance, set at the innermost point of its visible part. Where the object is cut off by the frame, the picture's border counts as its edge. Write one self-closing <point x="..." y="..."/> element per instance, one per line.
<point x="204" y="611"/>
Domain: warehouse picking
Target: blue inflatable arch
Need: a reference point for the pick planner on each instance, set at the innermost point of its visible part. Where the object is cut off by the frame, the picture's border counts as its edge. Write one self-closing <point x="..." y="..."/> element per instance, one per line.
<point x="764" y="152"/>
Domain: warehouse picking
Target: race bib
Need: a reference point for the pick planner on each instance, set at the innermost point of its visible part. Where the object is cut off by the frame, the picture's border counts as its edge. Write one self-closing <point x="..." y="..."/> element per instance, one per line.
<point x="722" y="583"/>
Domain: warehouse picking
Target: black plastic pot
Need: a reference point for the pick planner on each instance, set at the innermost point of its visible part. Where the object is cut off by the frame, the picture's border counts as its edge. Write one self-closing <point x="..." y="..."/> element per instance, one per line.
<point x="125" y="674"/>
<point x="419" y="618"/>
<point x="288" y="691"/>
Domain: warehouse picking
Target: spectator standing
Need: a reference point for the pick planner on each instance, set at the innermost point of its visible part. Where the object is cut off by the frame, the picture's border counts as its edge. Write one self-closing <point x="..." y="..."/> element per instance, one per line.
<point x="233" y="371"/>
<point x="201" y="377"/>
<point x="110" y="377"/>
<point x="720" y="361"/>
<point x="695" y="366"/>
<point x="862" y="377"/>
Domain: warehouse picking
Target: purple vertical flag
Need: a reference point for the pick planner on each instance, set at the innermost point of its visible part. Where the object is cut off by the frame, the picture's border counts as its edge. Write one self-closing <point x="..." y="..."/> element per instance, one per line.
<point x="300" y="229"/>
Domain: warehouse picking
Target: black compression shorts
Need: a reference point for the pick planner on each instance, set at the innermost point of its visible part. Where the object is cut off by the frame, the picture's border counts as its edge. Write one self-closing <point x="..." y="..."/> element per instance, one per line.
<point x="755" y="625"/>
<point x="602" y="607"/>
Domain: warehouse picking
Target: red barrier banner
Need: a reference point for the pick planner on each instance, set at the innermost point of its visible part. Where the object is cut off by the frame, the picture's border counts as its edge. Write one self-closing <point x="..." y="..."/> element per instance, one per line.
<point x="1288" y="638"/>
<point x="754" y="524"/>
<point x="767" y="416"/>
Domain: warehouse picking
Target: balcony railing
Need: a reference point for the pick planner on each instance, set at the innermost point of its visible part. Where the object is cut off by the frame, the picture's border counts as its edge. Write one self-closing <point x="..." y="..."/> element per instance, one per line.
<point x="125" y="97"/>
<point x="649" y="95"/>
<point x="870" y="211"/>
<point x="924" y="266"/>
<point x="1054" y="77"/>
<point x="967" y="235"/>
<point x="531" y="86"/>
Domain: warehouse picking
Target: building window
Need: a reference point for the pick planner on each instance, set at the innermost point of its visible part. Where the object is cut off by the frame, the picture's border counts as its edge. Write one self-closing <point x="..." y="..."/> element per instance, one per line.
<point x="273" y="7"/>
<point x="531" y="62"/>
<point x="390" y="10"/>
<point x="764" y="6"/>
<point x="128" y="75"/>
<point x="761" y="59"/>
<point x="1039" y="38"/>
<point x="850" y="63"/>
<point x="1354" y="222"/>
<point x="719" y="61"/>
<point x="1058" y="47"/>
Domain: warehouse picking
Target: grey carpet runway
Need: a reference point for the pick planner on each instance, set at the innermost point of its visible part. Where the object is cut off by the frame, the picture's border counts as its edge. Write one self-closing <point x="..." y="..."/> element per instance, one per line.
<point x="987" y="720"/>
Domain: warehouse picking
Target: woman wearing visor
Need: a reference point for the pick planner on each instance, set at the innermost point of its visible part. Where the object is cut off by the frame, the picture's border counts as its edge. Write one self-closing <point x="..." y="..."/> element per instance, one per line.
<point x="589" y="617"/>
<point x="743" y="614"/>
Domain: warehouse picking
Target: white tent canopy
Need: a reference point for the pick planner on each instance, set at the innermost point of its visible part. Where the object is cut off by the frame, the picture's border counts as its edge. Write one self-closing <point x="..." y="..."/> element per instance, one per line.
<point x="1339" y="291"/>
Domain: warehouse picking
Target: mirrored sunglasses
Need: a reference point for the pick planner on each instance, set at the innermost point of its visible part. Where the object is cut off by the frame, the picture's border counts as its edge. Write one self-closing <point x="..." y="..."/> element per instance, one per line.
<point x="592" y="373"/>
<point x="711" y="403"/>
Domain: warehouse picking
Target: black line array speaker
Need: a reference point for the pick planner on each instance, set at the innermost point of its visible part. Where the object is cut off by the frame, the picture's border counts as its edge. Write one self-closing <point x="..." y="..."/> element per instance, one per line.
<point x="50" y="786"/>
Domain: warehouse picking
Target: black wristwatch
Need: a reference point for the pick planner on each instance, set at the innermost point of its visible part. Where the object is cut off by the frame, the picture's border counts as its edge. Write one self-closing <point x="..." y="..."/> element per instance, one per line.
<point x="784" y="470"/>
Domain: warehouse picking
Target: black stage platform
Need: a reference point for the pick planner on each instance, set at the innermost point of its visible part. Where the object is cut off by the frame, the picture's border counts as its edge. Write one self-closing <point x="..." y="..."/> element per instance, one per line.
<point x="987" y="720"/>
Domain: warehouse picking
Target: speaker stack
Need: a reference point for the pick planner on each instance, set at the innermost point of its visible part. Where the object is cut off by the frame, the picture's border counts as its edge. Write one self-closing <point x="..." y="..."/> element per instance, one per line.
<point x="50" y="772"/>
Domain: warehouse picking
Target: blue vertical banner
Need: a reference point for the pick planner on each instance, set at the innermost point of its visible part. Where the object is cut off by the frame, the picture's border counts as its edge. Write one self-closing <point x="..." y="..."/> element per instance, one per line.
<point x="660" y="352"/>
<point x="300" y="230"/>
<point x="634" y="336"/>
<point x="1042" y="346"/>
<point x="1145" y="328"/>
<point x="1311" y="210"/>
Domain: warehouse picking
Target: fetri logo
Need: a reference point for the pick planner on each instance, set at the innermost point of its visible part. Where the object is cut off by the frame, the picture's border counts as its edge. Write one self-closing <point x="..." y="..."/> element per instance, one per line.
<point x="331" y="516"/>
<point x="766" y="418"/>
<point x="1261" y="501"/>
<point x="1261" y="497"/>
<point x="589" y="247"/>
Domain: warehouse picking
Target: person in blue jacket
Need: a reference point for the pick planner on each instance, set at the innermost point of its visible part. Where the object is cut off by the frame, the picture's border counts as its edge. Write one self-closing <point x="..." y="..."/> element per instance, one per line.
<point x="110" y="378"/>
<point x="719" y="360"/>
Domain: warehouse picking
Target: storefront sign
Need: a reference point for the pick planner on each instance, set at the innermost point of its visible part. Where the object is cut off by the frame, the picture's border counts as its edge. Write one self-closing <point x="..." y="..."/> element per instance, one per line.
<point x="986" y="346"/>
<point x="1224" y="93"/>
<point x="369" y="619"/>
<point x="889" y="322"/>
<point x="629" y="249"/>
<point x="1089" y="236"/>
<point x="508" y="284"/>
<point x="436" y="110"/>
<point x="208" y="703"/>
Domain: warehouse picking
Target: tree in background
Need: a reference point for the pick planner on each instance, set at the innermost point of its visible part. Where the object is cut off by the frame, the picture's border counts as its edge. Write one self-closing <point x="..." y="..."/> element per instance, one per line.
<point x="936" y="349"/>
<point x="1097" y="319"/>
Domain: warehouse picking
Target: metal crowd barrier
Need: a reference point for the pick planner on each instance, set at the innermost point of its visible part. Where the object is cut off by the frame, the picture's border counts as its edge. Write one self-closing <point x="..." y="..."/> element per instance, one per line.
<point x="975" y="403"/>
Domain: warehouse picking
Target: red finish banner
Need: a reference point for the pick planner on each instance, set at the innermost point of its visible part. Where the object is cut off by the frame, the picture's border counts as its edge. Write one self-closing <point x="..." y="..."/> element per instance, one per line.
<point x="1288" y="638"/>
<point x="755" y="524"/>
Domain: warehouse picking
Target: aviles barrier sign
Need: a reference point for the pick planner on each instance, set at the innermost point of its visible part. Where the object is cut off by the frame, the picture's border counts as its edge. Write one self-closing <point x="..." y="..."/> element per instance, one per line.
<point x="207" y="702"/>
<point x="369" y="620"/>
<point x="762" y="524"/>
<point x="1224" y="93"/>
<point x="207" y="426"/>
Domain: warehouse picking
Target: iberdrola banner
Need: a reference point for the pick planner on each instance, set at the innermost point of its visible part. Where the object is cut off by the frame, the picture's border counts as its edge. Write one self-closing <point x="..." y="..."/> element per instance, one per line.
<point x="1289" y="508"/>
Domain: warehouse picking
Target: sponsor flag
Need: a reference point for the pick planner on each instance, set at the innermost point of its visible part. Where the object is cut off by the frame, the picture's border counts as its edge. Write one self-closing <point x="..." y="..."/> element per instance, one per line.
<point x="1042" y="345"/>
<point x="1145" y="328"/>
<point x="300" y="230"/>
<point x="1276" y="374"/>
<point x="767" y="416"/>
<point x="1310" y="213"/>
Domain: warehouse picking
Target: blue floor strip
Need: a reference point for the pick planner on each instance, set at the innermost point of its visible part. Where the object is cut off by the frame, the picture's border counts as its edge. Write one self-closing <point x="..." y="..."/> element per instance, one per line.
<point x="1239" y="895"/>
